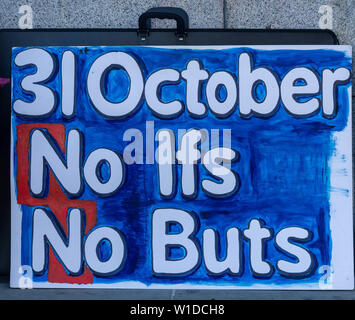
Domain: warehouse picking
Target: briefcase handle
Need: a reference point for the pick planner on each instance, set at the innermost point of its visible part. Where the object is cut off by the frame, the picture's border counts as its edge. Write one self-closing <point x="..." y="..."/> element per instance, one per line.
<point x="177" y="14"/>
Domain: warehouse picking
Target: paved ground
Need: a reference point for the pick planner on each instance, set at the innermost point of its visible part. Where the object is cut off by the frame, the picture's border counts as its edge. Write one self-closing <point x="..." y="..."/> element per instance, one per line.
<point x="274" y="14"/>
<point x="131" y="294"/>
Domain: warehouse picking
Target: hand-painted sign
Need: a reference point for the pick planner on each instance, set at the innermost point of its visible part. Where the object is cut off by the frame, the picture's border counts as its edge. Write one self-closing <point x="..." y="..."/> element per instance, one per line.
<point x="182" y="167"/>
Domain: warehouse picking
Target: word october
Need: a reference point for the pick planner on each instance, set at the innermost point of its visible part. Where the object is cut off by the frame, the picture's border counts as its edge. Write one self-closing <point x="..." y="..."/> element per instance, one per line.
<point x="239" y="89"/>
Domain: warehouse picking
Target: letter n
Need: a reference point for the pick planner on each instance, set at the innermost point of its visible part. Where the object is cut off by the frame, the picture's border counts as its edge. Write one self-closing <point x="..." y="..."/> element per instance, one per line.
<point x="47" y="231"/>
<point x="44" y="151"/>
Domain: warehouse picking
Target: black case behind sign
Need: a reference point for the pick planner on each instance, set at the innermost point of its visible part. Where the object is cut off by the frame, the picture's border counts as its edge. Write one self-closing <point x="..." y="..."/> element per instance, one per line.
<point x="182" y="36"/>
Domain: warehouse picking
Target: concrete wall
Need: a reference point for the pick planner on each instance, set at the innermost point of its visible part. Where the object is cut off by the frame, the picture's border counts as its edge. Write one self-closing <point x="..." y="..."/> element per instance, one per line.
<point x="283" y="14"/>
<point x="202" y="13"/>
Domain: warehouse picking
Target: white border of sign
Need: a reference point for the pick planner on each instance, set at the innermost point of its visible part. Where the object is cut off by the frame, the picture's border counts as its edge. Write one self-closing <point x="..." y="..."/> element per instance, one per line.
<point x="341" y="212"/>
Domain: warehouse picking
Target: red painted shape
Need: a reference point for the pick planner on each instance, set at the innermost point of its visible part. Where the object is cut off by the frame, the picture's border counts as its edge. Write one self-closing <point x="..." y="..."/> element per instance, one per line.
<point x="56" y="199"/>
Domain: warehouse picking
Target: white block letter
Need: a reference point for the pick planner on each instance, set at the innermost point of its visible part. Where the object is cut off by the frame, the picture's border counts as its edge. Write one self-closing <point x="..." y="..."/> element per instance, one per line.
<point x="98" y="70"/>
<point x="165" y="110"/>
<point x="43" y="151"/>
<point x="44" y="99"/>
<point x="166" y="159"/>
<point x="193" y="74"/>
<point x="230" y="180"/>
<point x="221" y="109"/>
<point x="289" y="90"/>
<point x="92" y="171"/>
<point x="68" y="74"/>
<point x="305" y="259"/>
<point x="232" y="261"/>
<point x="330" y="80"/>
<point x="161" y="241"/>
<point x="247" y="80"/>
<point x="68" y="251"/>
<point x="257" y="235"/>
<point x="118" y="251"/>
<point x="188" y="155"/>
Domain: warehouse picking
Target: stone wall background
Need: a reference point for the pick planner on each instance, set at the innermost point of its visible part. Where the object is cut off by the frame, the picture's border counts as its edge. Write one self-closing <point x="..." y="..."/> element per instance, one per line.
<point x="274" y="14"/>
<point x="299" y="14"/>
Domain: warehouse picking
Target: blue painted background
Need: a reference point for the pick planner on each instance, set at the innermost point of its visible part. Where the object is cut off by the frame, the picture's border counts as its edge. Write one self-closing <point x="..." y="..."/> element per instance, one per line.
<point x="283" y="166"/>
